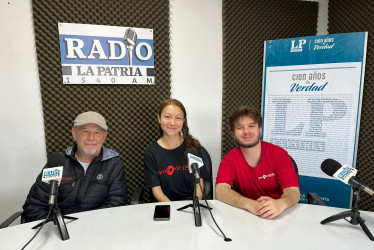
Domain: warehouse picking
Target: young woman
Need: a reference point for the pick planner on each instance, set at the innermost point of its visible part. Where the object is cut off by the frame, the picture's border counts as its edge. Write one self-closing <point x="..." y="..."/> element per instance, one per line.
<point x="165" y="163"/>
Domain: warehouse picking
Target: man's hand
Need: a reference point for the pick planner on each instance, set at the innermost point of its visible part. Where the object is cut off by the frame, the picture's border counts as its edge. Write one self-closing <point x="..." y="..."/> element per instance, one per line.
<point x="265" y="207"/>
<point x="269" y="208"/>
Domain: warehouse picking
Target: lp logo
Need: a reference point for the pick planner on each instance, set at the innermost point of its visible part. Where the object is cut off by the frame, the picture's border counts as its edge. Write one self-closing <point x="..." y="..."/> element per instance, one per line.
<point x="298" y="47"/>
<point x="316" y="118"/>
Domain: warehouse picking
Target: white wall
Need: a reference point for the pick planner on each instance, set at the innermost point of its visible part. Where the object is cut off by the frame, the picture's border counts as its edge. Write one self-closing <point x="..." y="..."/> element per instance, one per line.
<point x="323" y="14"/>
<point x="21" y="127"/>
<point x="196" y="68"/>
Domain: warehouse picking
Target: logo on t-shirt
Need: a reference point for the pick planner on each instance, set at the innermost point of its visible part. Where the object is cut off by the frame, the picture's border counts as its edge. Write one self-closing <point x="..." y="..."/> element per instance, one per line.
<point x="266" y="176"/>
<point x="171" y="169"/>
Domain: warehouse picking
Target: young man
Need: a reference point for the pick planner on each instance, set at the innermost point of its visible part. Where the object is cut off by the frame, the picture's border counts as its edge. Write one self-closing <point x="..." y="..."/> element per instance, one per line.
<point x="93" y="175"/>
<point x="257" y="176"/>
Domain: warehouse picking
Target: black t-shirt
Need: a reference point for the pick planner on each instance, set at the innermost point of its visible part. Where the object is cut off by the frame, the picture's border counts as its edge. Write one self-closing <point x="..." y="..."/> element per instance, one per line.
<point x="168" y="168"/>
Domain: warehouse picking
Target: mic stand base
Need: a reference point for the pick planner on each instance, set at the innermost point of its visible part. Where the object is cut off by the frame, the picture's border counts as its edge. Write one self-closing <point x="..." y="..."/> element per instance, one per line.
<point x="58" y="220"/>
<point x="196" y="210"/>
<point x="191" y="205"/>
<point x="353" y="213"/>
<point x="195" y="202"/>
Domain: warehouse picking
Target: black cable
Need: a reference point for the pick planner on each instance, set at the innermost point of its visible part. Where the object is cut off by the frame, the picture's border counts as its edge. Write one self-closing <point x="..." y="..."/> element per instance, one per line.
<point x="209" y="208"/>
<point x="50" y="209"/>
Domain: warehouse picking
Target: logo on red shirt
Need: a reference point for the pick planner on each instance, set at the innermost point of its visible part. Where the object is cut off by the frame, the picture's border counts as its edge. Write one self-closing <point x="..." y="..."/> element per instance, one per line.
<point x="266" y="176"/>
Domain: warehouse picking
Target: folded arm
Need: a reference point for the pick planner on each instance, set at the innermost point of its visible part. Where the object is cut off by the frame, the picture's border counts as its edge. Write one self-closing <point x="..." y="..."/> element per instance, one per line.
<point x="226" y="194"/>
<point x="264" y="206"/>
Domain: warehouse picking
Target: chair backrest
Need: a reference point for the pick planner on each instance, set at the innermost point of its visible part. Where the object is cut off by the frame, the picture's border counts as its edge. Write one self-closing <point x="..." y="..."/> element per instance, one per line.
<point x="295" y="166"/>
<point x="12" y="218"/>
<point x="312" y="198"/>
<point x="208" y="182"/>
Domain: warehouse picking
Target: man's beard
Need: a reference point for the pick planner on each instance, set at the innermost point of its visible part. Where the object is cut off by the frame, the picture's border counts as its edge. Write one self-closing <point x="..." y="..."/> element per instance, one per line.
<point x="250" y="145"/>
<point x="90" y="153"/>
<point x="87" y="152"/>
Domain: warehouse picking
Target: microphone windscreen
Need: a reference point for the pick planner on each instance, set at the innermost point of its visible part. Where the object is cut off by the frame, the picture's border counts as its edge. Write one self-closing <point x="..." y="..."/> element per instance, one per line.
<point x="330" y="166"/>
<point x="130" y="37"/>
<point x="56" y="159"/>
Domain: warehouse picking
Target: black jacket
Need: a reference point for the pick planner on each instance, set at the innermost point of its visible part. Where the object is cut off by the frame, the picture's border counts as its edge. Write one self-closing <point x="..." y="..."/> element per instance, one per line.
<point x="103" y="185"/>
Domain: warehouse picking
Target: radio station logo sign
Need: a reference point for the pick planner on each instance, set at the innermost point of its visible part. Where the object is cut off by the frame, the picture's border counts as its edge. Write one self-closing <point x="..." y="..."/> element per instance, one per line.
<point x="99" y="54"/>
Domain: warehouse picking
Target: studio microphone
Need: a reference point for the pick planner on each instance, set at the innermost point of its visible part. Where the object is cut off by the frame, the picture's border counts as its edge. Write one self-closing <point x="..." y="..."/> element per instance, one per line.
<point x="194" y="162"/>
<point x="52" y="174"/>
<point x="345" y="174"/>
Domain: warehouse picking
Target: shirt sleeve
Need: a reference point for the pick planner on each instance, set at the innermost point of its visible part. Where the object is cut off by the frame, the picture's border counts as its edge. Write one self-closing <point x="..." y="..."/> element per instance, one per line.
<point x="226" y="172"/>
<point x="150" y="170"/>
<point x="286" y="174"/>
<point x="36" y="204"/>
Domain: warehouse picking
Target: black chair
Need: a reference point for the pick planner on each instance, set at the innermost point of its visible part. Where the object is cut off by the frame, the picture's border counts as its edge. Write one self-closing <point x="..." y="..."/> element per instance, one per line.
<point x="138" y="194"/>
<point x="208" y="182"/>
<point x="12" y="218"/>
<point x="313" y="198"/>
<point x="295" y="166"/>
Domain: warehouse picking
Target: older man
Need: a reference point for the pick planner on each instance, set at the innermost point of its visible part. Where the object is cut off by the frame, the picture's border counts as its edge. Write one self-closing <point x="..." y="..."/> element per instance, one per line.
<point x="93" y="175"/>
<point x="261" y="174"/>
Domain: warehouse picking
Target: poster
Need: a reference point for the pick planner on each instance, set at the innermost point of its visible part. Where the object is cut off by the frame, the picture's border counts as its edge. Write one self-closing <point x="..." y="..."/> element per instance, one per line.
<point x="311" y="103"/>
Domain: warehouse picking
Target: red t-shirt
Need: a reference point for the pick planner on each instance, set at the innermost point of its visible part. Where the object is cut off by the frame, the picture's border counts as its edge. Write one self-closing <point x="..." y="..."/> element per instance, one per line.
<point x="273" y="173"/>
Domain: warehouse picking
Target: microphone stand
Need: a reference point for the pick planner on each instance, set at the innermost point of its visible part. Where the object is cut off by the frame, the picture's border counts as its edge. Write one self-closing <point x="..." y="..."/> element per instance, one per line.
<point x="58" y="220"/>
<point x="354" y="214"/>
<point x="195" y="204"/>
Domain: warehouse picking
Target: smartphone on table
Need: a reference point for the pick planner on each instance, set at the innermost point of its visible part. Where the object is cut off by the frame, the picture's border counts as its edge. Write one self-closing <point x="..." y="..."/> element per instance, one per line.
<point x="162" y="213"/>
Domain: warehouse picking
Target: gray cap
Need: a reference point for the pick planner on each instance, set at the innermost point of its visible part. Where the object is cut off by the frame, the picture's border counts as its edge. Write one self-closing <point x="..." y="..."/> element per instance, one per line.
<point x="90" y="117"/>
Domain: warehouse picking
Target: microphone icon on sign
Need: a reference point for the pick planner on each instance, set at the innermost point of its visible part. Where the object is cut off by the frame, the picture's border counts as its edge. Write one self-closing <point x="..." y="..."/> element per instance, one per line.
<point x="130" y="40"/>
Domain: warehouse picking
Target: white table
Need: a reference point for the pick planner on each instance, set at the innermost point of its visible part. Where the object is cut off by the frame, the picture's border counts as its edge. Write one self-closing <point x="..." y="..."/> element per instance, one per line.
<point x="132" y="227"/>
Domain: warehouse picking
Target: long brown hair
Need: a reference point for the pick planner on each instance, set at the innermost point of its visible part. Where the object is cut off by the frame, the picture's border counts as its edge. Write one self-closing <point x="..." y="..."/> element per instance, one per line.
<point x="189" y="139"/>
